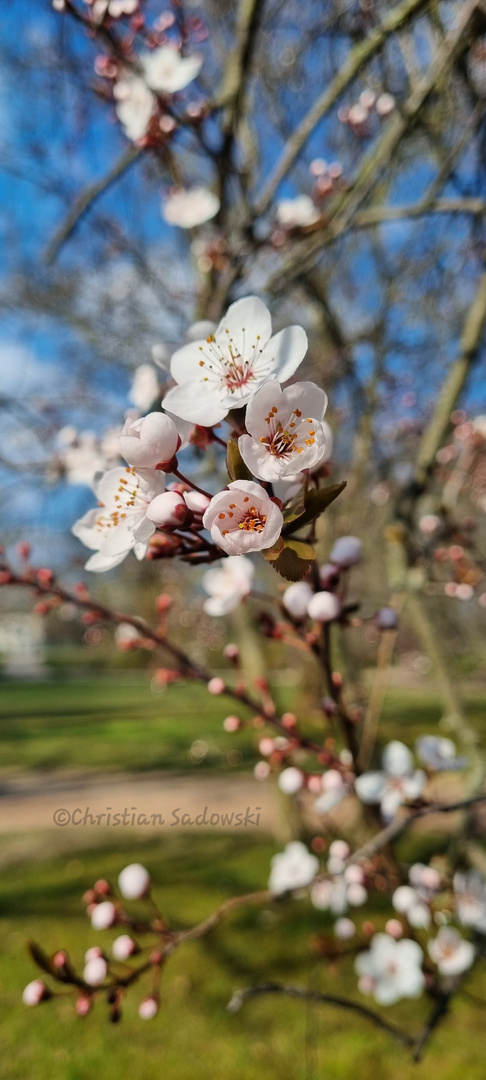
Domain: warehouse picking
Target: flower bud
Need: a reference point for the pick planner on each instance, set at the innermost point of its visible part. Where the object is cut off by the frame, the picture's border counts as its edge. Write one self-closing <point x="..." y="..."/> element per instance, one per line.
<point x="83" y="1005"/>
<point x="134" y="881"/>
<point x="324" y="607"/>
<point x="347" y="551"/>
<point x="103" y="915"/>
<point x="344" y="929"/>
<point x="148" y="1008"/>
<point x="231" y="652"/>
<point x="216" y="686"/>
<point x="196" y="502"/>
<point x="168" y="510"/>
<point x="296" y="599"/>
<point x="35" y="992"/>
<point x="232" y="723"/>
<point x="387" y="619"/>
<point x="291" y="781"/>
<point x="95" y="971"/>
<point x="123" y="947"/>
<point x="151" y="442"/>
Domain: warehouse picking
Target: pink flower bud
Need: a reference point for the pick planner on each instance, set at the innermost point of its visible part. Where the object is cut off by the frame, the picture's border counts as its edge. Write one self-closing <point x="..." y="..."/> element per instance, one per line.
<point x="289" y="721"/>
<point x="134" y="881"/>
<point x="231" y="723"/>
<point x="163" y="603"/>
<point x="394" y="928"/>
<point x="266" y="746"/>
<point x="344" y="929"/>
<point x="231" y="652"/>
<point x="93" y="953"/>
<point x="83" y="1005"/>
<point x="196" y="502"/>
<point x="103" y="915"/>
<point x="168" y="510"/>
<point x="148" y="1008"/>
<point x="102" y="887"/>
<point x="216" y="686"/>
<point x="261" y="770"/>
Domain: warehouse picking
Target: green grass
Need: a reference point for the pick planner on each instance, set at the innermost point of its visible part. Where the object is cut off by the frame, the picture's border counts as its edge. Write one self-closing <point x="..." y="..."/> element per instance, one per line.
<point x="118" y="724"/>
<point x="193" y="1035"/>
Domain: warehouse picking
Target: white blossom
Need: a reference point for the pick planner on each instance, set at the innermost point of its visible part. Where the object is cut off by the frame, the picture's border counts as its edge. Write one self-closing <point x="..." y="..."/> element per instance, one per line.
<point x="148" y="1008"/>
<point x="119" y="524"/>
<point x="470" y="899"/>
<point x="227" y="585"/>
<point x="243" y="518"/>
<point x="134" y="881"/>
<point x="285" y="430"/>
<point x="222" y="371"/>
<point x="334" y="790"/>
<point x="189" y="208"/>
<point x="145" y="387"/>
<point x="438" y="753"/>
<point x="408" y="901"/>
<point x="395" y="783"/>
<point x="390" y="969"/>
<point x="150" y="442"/>
<point x="168" y="510"/>
<point x="123" y="947"/>
<point x="451" y="952"/>
<point x="293" y="868"/>
<point x="166" y="71"/>
<point x="134" y="106"/>
<point x="293" y="213"/>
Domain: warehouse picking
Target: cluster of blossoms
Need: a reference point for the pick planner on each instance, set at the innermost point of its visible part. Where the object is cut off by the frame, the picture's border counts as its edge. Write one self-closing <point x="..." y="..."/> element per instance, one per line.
<point x="283" y="438"/>
<point x="358" y="116"/>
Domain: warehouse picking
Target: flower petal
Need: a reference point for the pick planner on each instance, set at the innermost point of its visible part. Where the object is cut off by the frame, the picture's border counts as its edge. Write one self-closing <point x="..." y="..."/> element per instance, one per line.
<point x="287" y="350"/>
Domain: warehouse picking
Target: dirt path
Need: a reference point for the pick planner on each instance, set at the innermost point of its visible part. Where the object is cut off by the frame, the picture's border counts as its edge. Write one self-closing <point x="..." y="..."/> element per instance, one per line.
<point x="77" y="803"/>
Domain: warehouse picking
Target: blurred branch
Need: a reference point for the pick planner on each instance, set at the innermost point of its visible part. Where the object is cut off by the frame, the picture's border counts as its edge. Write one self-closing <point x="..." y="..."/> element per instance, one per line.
<point x="358" y="58"/>
<point x="86" y="199"/>
<point x="381" y="215"/>
<point x="241" y="996"/>
<point x="380" y="155"/>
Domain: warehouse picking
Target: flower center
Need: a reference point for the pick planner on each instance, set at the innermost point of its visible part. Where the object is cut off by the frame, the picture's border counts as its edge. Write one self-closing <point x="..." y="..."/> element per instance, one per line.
<point x="253" y="521"/>
<point x="282" y="441"/>
<point x="231" y="368"/>
<point x="126" y="499"/>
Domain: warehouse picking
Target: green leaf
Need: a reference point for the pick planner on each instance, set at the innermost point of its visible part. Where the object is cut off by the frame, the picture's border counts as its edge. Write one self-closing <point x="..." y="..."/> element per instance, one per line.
<point x="315" y="503"/>
<point x="296" y="508"/>
<point x="235" y="465"/>
<point x="294" y="561"/>
<point x="272" y="553"/>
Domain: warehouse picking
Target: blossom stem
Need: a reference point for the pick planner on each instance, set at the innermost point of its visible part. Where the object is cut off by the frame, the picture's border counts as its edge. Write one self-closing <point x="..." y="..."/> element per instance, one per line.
<point x="190" y="483"/>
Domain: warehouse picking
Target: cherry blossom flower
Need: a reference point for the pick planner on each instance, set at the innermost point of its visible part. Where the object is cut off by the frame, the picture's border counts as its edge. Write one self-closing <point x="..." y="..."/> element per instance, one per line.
<point x="451" y="952"/>
<point x="390" y="969"/>
<point x="166" y="71"/>
<point x="82" y="454"/>
<point x="334" y="790"/>
<point x="145" y="387"/>
<point x="134" y="106"/>
<point x="293" y="868"/>
<point x="119" y="524"/>
<point x="292" y="213"/>
<point x="344" y="929"/>
<point x="284" y="428"/>
<point x="344" y="890"/>
<point x="243" y="518"/>
<point x="227" y="585"/>
<point x="134" y="881"/>
<point x="189" y="208"/>
<point x="114" y="8"/>
<point x="148" y="1008"/>
<point x="221" y="372"/>
<point x="150" y="442"/>
<point x="470" y="899"/>
<point x="395" y="784"/>
<point x="296" y="599"/>
<point x="408" y="902"/>
<point x="438" y="753"/>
